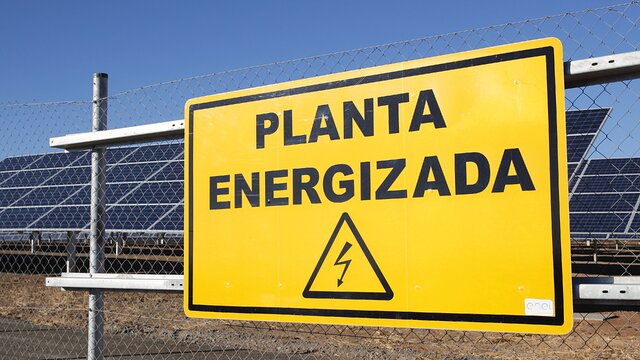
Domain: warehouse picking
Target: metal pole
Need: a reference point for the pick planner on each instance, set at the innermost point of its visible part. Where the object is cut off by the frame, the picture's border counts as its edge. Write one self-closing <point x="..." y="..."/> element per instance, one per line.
<point x="95" y="350"/>
<point x="72" y="242"/>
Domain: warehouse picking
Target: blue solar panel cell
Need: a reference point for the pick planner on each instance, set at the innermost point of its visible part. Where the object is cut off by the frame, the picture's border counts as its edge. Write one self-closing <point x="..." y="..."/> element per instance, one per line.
<point x="156" y="193"/>
<point x="5" y="175"/>
<point x="65" y="217"/>
<point x="603" y="202"/>
<point x="71" y="176"/>
<point x="598" y="222"/>
<point x="47" y="196"/>
<point x="115" y="155"/>
<point x="115" y="192"/>
<point x="132" y="172"/>
<point x="28" y="178"/>
<point x="18" y="163"/>
<point x="10" y="196"/>
<point x="613" y="166"/>
<point x="60" y="160"/>
<point x="81" y="197"/>
<point x="20" y="218"/>
<point x="163" y="152"/>
<point x="173" y="170"/>
<point x="635" y="225"/>
<point x="174" y="221"/>
<point x="577" y="146"/>
<point x="136" y="217"/>
<point x="609" y="183"/>
<point x="585" y="121"/>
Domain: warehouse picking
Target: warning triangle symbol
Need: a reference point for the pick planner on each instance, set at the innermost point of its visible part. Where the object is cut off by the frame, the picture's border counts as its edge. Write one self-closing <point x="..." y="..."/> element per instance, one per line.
<point x="346" y="269"/>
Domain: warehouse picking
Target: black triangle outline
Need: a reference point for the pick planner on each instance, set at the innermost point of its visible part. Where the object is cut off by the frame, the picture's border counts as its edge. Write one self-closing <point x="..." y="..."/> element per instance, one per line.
<point x="364" y="295"/>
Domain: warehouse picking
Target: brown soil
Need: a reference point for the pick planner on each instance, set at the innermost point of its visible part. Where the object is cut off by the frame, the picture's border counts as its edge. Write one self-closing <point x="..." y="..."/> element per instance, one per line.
<point x="159" y="317"/>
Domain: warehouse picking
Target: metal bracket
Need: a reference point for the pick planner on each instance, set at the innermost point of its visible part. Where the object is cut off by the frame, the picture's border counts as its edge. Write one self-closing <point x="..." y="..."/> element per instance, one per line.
<point x="607" y="290"/>
<point x="602" y="70"/>
<point x="606" y="294"/>
<point x="117" y="282"/>
<point x="135" y="134"/>
<point x="586" y="290"/>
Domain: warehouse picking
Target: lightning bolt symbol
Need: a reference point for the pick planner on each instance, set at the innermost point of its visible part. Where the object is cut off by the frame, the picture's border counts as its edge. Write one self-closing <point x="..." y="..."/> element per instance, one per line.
<point x="346" y="263"/>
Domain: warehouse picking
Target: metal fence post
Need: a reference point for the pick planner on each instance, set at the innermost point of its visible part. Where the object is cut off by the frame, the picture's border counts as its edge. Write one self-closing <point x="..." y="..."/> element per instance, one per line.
<point x="32" y="243"/>
<point x="72" y="242"/>
<point x="95" y="348"/>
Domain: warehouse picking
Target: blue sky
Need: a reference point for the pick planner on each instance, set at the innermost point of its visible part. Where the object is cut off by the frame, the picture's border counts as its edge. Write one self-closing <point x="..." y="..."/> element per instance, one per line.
<point x="49" y="49"/>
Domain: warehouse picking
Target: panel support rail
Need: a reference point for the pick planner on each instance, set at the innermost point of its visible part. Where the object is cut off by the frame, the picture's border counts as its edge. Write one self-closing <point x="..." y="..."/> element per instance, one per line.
<point x="587" y="291"/>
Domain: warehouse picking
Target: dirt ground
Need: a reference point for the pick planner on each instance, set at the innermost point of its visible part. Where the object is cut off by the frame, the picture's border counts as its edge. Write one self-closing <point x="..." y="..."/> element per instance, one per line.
<point x="159" y="317"/>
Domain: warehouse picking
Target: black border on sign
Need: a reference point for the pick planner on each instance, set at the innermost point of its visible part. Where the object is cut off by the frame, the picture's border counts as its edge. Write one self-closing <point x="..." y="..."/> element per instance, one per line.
<point x="557" y="320"/>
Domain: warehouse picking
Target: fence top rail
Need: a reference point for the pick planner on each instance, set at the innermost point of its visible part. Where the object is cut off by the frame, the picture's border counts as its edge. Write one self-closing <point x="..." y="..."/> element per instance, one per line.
<point x="577" y="73"/>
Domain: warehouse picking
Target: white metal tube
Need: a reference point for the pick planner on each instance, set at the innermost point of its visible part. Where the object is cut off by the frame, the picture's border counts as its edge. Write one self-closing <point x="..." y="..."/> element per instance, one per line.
<point x="95" y="341"/>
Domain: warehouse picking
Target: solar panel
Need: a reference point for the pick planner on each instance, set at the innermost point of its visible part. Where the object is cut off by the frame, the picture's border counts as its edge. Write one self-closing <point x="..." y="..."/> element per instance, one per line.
<point x="115" y="192"/>
<point x="140" y="217"/>
<point x="163" y="152"/>
<point x="28" y="178"/>
<point x="9" y="196"/>
<point x="577" y="147"/>
<point x="605" y="222"/>
<point x="585" y="121"/>
<point x="20" y="218"/>
<point x="603" y="202"/>
<point x="132" y="172"/>
<point x="173" y="171"/>
<point x="63" y="217"/>
<point x="609" y="183"/>
<point x="155" y="193"/>
<point x="42" y="196"/>
<point x="172" y="220"/>
<point x="116" y="155"/>
<point x="52" y="191"/>
<point x="613" y="166"/>
<point x="18" y="163"/>
<point x="582" y="127"/>
<point x="60" y="160"/>
<point x="70" y="176"/>
<point x="145" y="189"/>
<point x="79" y="197"/>
<point x="635" y="225"/>
<point x="605" y="197"/>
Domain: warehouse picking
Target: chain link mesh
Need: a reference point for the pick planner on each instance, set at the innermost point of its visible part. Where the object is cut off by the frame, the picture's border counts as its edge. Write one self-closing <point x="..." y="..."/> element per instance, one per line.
<point x="45" y="206"/>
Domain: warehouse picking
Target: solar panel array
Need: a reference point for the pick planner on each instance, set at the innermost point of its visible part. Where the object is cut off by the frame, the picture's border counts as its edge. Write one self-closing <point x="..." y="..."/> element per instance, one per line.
<point x="52" y="191"/>
<point x="605" y="198"/>
<point x="145" y="187"/>
<point x="582" y="127"/>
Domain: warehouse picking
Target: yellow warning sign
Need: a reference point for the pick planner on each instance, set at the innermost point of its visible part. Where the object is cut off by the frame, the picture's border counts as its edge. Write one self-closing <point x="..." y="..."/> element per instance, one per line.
<point x="429" y="193"/>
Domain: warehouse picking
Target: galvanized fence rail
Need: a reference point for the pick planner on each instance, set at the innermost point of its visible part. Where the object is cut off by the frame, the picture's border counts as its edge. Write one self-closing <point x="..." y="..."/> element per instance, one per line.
<point x="46" y="227"/>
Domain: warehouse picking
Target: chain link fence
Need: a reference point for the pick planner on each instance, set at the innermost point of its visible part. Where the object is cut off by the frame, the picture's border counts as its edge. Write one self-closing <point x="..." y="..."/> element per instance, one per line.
<point x="45" y="216"/>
